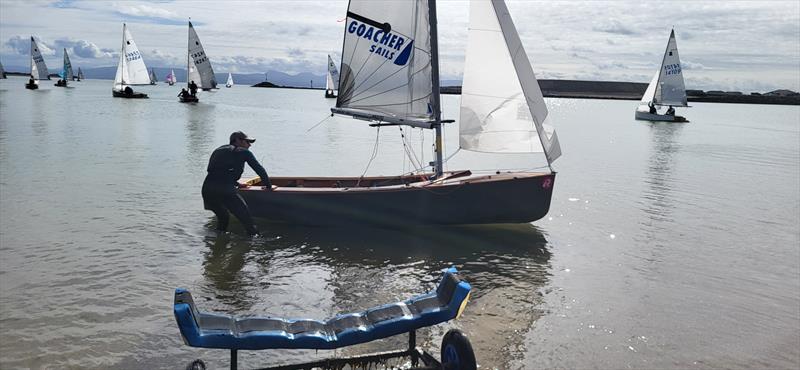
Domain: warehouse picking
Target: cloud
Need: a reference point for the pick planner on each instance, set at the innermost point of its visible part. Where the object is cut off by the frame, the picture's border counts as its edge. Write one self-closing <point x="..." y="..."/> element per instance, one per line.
<point x="691" y="66"/>
<point x="22" y="46"/>
<point x="616" y="27"/>
<point x="84" y="49"/>
<point x="151" y="14"/>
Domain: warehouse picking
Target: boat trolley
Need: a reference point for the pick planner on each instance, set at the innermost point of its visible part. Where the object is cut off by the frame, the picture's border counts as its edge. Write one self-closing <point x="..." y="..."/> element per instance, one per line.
<point x="447" y="302"/>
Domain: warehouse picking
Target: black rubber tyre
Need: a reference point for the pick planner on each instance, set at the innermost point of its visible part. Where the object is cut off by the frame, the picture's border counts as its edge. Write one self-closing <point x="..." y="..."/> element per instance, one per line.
<point x="457" y="352"/>
<point x="196" y="365"/>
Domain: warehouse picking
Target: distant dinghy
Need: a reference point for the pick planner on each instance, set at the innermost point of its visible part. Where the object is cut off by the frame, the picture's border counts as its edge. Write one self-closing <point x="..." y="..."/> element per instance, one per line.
<point x="171" y="78"/>
<point x="153" y="78"/>
<point x="666" y="88"/>
<point x="229" y="83"/>
<point x="80" y="74"/>
<point x="38" y="68"/>
<point x="2" y="72"/>
<point x="198" y="67"/>
<point x="131" y="70"/>
<point x="66" y="71"/>
<point x="332" y="81"/>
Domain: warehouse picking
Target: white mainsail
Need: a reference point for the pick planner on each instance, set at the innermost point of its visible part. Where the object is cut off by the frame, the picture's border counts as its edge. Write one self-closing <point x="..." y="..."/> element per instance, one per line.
<point x="332" y="82"/>
<point x="386" y="69"/>
<point x="66" y="73"/>
<point x="667" y="86"/>
<point x="502" y="107"/>
<point x="131" y="69"/>
<point x="229" y="83"/>
<point x="38" y="68"/>
<point x="171" y="77"/>
<point x="199" y="67"/>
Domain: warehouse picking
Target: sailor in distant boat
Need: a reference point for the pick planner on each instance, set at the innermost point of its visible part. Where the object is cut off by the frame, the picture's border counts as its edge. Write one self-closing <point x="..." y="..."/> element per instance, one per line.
<point x="183" y="94"/>
<point x="652" y="108"/>
<point x="193" y="88"/>
<point x="224" y="170"/>
<point x="670" y="111"/>
<point x="128" y="91"/>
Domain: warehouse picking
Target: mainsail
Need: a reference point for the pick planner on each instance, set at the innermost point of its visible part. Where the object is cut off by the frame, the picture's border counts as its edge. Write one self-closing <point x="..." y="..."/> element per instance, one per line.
<point x="171" y="77"/>
<point x="667" y="86"/>
<point x="153" y="78"/>
<point x="332" y="82"/>
<point x="386" y="69"/>
<point x="229" y="83"/>
<point x="38" y="68"/>
<point x="131" y="69"/>
<point x="502" y="107"/>
<point x="66" y="72"/>
<point x="80" y="74"/>
<point x="2" y="71"/>
<point x="199" y="67"/>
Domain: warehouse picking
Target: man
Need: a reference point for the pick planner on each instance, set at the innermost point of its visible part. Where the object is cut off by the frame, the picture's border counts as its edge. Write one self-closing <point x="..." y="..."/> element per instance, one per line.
<point x="224" y="170"/>
<point x="193" y="88"/>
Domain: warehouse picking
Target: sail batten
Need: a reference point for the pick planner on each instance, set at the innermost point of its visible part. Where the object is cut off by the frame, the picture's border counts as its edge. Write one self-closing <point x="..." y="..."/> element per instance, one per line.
<point x="502" y="106"/>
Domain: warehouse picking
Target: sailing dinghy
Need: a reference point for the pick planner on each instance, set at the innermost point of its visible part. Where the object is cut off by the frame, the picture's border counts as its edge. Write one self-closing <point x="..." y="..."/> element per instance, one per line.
<point x="66" y="71"/>
<point x="171" y="77"/>
<point x="80" y="75"/>
<point x="390" y="77"/>
<point x="198" y="67"/>
<point x="666" y="88"/>
<point x="38" y="68"/>
<point x="332" y="81"/>
<point x="229" y="83"/>
<point x="131" y="70"/>
<point x="2" y="72"/>
<point x="153" y="78"/>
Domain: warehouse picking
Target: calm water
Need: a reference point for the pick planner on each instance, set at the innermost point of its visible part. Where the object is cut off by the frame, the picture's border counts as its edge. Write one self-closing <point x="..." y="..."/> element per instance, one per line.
<point x="667" y="245"/>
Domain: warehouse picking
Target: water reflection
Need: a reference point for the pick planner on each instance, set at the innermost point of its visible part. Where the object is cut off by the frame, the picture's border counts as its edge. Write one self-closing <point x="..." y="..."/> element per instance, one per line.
<point x="319" y="272"/>
<point x="199" y="133"/>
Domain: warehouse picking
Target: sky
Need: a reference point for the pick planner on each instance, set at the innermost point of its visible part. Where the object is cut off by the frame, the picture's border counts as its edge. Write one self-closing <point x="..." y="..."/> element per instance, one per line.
<point x="724" y="45"/>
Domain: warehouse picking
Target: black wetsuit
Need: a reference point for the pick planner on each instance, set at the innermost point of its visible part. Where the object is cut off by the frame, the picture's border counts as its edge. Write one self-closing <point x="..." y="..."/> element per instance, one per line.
<point x="219" y="189"/>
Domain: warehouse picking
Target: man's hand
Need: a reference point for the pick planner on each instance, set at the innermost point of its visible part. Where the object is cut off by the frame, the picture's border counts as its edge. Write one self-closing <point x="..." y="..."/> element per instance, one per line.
<point x="240" y="185"/>
<point x="270" y="188"/>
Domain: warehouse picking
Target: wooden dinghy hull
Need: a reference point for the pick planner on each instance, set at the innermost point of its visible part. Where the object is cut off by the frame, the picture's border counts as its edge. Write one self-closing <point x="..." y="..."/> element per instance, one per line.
<point x="460" y="199"/>
<point x="647" y="116"/>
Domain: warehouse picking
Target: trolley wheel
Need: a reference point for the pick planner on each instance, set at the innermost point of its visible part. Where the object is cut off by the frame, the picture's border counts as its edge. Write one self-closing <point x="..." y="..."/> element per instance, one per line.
<point x="457" y="352"/>
<point x="196" y="365"/>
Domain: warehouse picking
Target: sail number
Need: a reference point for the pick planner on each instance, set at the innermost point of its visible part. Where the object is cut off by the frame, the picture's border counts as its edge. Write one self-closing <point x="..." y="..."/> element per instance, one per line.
<point x="38" y="59"/>
<point x="672" y="69"/>
<point x="199" y="57"/>
<point x="133" y="55"/>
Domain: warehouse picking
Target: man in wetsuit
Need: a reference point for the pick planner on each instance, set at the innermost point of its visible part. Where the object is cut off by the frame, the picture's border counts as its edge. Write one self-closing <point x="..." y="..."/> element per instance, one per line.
<point x="193" y="88"/>
<point x="224" y="170"/>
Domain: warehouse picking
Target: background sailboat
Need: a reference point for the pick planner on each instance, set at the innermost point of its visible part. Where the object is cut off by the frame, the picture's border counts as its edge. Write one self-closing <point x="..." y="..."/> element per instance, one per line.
<point x="80" y="74"/>
<point x="131" y="69"/>
<point x="38" y="68"/>
<point x="66" y="71"/>
<point x="229" y="83"/>
<point x="153" y="78"/>
<point x="2" y="71"/>
<point x="199" y="67"/>
<point x="332" y="80"/>
<point x="171" y="78"/>
<point x="396" y="82"/>
<point x="666" y="88"/>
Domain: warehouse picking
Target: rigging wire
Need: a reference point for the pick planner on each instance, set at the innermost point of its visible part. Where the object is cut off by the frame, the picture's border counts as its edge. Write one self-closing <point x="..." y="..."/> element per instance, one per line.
<point x="374" y="154"/>
<point x="320" y="122"/>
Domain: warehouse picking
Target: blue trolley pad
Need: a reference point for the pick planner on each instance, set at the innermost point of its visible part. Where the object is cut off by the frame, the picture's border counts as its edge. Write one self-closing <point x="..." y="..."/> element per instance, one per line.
<point x="209" y="330"/>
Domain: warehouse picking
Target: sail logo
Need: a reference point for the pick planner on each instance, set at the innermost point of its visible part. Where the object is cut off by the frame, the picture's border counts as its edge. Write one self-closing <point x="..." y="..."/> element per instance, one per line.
<point x="385" y="44"/>
<point x="672" y="69"/>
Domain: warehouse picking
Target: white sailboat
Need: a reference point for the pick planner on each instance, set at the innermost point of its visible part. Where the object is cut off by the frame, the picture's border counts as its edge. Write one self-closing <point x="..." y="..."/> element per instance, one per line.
<point x="66" y="71"/>
<point x="153" y="78"/>
<point x="665" y="89"/>
<point x="38" y="68"/>
<point x="198" y="68"/>
<point x="131" y="70"/>
<point x="229" y="83"/>
<point x="390" y="77"/>
<point x="332" y="82"/>
<point x="171" y="77"/>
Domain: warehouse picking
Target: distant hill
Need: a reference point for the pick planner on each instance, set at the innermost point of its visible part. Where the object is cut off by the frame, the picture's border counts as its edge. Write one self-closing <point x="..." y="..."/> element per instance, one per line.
<point x="277" y="78"/>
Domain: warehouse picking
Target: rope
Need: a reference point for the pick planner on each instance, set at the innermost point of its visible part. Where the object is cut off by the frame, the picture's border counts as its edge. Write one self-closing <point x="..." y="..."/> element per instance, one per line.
<point x="320" y="122"/>
<point x="374" y="154"/>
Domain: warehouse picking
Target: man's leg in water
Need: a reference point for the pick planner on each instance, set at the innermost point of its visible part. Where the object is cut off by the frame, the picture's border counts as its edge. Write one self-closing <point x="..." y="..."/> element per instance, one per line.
<point x="219" y="209"/>
<point x="238" y="207"/>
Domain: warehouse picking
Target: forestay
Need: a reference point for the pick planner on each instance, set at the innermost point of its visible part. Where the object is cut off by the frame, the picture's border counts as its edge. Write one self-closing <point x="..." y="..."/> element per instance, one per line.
<point x="38" y="68"/>
<point x="333" y="75"/>
<point x="131" y="69"/>
<point x="670" y="89"/>
<point x="386" y="63"/>
<point x="66" y="72"/>
<point x="502" y="107"/>
<point x="200" y="70"/>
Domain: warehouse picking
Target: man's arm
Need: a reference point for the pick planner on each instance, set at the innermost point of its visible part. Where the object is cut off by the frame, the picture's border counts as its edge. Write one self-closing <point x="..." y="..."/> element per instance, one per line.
<point x="260" y="171"/>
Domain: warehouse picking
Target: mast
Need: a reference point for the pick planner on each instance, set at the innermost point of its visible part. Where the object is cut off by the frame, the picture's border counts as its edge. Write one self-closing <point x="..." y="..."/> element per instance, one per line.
<point x="188" y="34"/>
<point x="437" y="113"/>
<point x="122" y="76"/>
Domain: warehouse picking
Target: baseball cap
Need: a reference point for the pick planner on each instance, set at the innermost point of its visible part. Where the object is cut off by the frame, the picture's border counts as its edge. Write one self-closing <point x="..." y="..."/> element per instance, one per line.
<point x="238" y="135"/>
